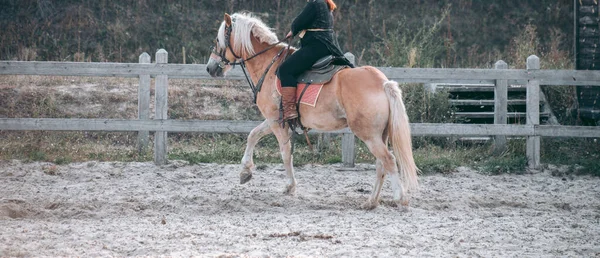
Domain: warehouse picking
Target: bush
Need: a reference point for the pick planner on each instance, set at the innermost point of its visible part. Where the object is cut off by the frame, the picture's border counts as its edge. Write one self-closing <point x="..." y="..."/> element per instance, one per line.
<point x="404" y="47"/>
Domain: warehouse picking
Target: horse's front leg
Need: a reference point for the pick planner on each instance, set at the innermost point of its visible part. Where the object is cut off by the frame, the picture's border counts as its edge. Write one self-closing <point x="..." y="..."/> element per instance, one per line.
<point x="247" y="161"/>
<point x="285" y="147"/>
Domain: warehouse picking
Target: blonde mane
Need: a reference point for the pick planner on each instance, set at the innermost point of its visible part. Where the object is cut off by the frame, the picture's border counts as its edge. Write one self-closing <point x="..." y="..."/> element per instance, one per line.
<point x="244" y="27"/>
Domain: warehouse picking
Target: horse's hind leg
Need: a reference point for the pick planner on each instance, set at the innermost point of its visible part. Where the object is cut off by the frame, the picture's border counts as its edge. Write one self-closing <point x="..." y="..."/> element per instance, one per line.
<point x="247" y="162"/>
<point x="285" y="147"/>
<point x="373" y="200"/>
<point x="386" y="164"/>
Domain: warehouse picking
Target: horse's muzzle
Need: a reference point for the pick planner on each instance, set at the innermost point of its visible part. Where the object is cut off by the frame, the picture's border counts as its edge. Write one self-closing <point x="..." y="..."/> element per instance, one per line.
<point x="214" y="69"/>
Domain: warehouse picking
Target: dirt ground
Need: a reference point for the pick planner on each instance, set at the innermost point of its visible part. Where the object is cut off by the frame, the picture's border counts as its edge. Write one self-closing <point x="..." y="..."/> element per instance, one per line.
<point x="139" y="209"/>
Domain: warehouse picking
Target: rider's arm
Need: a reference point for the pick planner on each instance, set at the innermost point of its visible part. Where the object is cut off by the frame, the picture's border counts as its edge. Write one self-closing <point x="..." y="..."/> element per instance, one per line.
<point x="305" y="18"/>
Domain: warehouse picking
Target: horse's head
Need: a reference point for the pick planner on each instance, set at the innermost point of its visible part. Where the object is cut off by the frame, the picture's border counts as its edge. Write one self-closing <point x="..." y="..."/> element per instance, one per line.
<point x="222" y="54"/>
<point x="235" y="41"/>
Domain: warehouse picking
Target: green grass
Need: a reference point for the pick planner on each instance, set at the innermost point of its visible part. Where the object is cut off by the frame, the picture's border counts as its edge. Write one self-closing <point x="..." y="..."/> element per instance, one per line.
<point x="581" y="154"/>
<point x="510" y="164"/>
<point x="430" y="158"/>
<point x="439" y="155"/>
<point x="37" y="156"/>
<point x="229" y="149"/>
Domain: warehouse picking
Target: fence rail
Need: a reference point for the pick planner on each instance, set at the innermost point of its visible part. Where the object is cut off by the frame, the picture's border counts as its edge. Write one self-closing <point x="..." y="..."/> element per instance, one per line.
<point x="229" y="126"/>
<point x="197" y="71"/>
<point x="499" y="77"/>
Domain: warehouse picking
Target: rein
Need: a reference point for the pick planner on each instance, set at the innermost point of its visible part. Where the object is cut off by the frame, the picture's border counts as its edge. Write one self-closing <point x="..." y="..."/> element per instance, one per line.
<point x="242" y="63"/>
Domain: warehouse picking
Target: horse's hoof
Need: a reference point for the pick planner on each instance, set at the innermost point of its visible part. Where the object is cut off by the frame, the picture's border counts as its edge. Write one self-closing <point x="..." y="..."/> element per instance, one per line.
<point x="404" y="202"/>
<point x="290" y="190"/>
<point x="400" y="205"/>
<point x="369" y="205"/>
<point x="400" y="202"/>
<point x="245" y="177"/>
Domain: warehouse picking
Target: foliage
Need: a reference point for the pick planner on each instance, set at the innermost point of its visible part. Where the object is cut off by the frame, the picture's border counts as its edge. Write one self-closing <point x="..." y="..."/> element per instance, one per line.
<point x="512" y="164"/>
<point x="403" y="47"/>
<point x="424" y="106"/>
<point x="583" y="155"/>
<point x="424" y="33"/>
<point x="472" y="33"/>
<point x="562" y="99"/>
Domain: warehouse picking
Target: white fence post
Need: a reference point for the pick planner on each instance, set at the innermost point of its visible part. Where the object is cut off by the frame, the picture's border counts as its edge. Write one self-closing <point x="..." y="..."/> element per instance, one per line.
<point x="161" y="105"/>
<point x="500" y="108"/>
<point x="143" y="105"/>
<point x="533" y="112"/>
<point x="348" y="142"/>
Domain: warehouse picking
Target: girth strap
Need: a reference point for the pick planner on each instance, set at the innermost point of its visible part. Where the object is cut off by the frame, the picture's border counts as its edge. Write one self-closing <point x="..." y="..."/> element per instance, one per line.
<point x="256" y="88"/>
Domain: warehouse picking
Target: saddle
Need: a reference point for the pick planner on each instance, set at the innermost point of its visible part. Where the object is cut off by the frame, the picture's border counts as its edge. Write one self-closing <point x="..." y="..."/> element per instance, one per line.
<point x="311" y="82"/>
<point x="323" y="70"/>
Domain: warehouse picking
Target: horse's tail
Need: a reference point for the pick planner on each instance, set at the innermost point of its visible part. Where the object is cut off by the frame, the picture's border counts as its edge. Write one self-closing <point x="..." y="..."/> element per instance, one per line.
<point x="399" y="135"/>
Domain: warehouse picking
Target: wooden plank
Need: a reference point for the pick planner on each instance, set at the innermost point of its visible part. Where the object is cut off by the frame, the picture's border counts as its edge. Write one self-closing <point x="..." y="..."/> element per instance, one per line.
<point x="228" y="126"/>
<point x="198" y="71"/>
<point x="143" y="105"/>
<point x="483" y="89"/>
<point x="533" y="113"/>
<point x="75" y="124"/>
<point x="324" y="142"/>
<point x="449" y="74"/>
<point x="132" y="70"/>
<point x="348" y="150"/>
<point x="491" y="114"/>
<point x="546" y="77"/>
<point x="221" y="126"/>
<point x="568" y="131"/>
<point x="161" y="106"/>
<point x="564" y="82"/>
<point x="441" y="81"/>
<point x="484" y="102"/>
<point x="551" y="77"/>
<point x="500" y="108"/>
<point x="427" y="129"/>
<point x="348" y="140"/>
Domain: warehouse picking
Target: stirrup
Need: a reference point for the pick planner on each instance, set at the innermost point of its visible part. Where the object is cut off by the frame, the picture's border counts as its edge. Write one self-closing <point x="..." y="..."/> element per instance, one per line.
<point x="295" y="125"/>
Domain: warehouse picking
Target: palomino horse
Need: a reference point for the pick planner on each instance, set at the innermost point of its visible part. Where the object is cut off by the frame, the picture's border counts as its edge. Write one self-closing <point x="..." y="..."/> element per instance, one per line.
<point x="360" y="98"/>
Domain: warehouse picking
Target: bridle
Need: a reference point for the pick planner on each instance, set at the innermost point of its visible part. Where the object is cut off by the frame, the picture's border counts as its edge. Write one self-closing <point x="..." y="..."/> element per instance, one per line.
<point x="222" y="54"/>
<point x="242" y="62"/>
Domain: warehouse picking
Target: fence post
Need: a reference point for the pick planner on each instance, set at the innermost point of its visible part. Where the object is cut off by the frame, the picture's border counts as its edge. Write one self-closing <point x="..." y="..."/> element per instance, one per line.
<point x="143" y="105"/>
<point x="161" y="105"/>
<point x="500" y="108"/>
<point x="533" y="112"/>
<point x="348" y="142"/>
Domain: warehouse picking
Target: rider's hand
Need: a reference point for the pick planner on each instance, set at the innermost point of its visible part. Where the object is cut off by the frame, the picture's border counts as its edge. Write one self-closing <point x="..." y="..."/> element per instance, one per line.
<point x="288" y="35"/>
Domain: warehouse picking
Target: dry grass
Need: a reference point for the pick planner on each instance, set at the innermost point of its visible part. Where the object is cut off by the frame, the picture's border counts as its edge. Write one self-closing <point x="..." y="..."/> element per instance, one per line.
<point x="116" y="98"/>
<point x="111" y="98"/>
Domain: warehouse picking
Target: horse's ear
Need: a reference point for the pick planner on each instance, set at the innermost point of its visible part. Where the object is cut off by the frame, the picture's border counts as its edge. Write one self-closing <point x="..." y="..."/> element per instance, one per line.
<point x="227" y="19"/>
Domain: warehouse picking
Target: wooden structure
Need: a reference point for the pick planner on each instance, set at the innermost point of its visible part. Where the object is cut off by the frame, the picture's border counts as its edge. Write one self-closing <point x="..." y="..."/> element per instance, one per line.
<point x="532" y="77"/>
<point x="587" y="56"/>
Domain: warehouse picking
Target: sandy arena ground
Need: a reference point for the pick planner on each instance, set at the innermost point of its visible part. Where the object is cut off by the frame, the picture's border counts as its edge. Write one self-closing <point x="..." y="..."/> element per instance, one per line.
<point x="139" y="209"/>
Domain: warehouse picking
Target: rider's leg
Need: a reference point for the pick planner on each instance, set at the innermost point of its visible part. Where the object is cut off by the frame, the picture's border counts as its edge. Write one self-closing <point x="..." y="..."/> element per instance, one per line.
<point x="288" y="73"/>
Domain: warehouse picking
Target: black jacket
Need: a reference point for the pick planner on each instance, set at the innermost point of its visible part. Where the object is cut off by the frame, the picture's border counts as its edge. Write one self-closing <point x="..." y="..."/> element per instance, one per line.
<point x="316" y="15"/>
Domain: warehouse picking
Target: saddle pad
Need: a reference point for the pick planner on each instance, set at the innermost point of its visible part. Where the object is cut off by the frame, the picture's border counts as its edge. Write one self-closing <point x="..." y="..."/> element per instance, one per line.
<point x="310" y="96"/>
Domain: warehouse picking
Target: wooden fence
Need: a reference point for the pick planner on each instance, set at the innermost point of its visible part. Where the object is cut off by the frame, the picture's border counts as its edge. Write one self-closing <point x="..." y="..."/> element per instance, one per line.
<point x="501" y="77"/>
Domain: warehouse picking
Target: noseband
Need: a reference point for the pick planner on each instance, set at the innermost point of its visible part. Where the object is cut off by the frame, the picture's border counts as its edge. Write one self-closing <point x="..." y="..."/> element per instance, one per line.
<point x="242" y="62"/>
<point x="222" y="54"/>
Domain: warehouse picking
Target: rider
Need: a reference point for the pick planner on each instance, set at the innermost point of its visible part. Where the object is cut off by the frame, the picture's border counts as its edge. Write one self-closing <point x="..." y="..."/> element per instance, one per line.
<point x="314" y="25"/>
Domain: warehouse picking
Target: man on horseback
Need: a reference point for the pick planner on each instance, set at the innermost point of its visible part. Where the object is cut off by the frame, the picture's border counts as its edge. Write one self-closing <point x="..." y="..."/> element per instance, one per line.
<point x="314" y="25"/>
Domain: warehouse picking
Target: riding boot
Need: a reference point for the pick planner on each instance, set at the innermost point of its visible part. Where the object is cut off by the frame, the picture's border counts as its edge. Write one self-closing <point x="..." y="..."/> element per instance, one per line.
<point x="288" y="103"/>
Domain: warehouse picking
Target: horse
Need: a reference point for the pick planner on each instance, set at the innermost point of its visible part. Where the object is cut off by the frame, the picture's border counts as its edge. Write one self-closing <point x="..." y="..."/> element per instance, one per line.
<point x="361" y="98"/>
